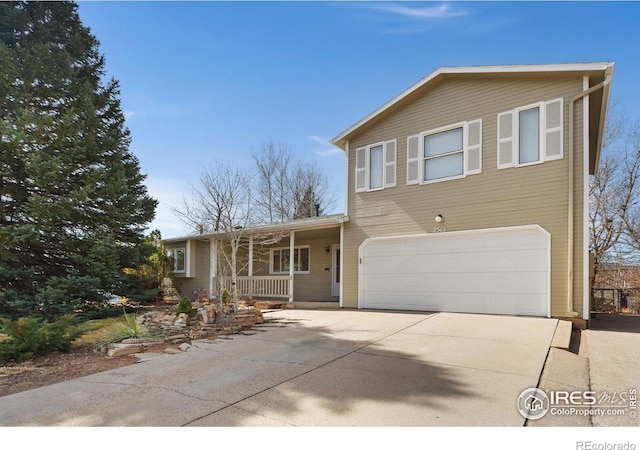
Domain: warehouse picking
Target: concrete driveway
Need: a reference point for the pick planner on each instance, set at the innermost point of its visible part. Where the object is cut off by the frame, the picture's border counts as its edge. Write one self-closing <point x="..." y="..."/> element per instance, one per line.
<point x="315" y="368"/>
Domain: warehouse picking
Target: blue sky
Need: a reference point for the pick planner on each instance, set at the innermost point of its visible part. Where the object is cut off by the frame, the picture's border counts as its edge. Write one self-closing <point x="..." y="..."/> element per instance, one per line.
<point x="211" y="81"/>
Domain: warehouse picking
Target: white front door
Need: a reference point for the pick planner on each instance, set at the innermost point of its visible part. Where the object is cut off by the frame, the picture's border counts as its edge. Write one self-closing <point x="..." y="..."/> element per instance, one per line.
<point x="335" y="270"/>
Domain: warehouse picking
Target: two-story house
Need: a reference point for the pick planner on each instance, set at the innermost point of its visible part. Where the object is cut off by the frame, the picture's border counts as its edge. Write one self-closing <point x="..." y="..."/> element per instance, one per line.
<point x="468" y="192"/>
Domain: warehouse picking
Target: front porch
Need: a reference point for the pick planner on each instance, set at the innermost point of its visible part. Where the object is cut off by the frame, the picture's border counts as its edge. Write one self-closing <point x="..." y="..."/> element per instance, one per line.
<point x="258" y="286"/>
<point x="302" y="265"/>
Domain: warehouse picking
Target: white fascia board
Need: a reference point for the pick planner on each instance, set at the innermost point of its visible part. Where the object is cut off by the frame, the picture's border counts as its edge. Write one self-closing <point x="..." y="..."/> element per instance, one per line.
<point x="314" y="223"/>
<point x="516" y="68"/>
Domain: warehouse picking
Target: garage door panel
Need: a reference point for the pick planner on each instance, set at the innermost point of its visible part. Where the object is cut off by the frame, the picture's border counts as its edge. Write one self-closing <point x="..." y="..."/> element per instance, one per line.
<point x="479" y="282"/>
<point x="499" y="271"/>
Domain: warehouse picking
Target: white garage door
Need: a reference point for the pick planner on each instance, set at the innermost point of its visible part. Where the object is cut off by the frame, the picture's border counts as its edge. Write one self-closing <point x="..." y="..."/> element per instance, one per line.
<point x="494" y="271"/>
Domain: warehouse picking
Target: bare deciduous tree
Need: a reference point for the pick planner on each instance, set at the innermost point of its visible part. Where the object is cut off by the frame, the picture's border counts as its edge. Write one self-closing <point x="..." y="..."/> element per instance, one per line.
<point x="287" y="191"/>
<point x="274" y="182"/>
<point x="311" y="191"/>
<point x="223" y="203"/>
<point x="220" y="202"/>
<point x="614" y="215"/>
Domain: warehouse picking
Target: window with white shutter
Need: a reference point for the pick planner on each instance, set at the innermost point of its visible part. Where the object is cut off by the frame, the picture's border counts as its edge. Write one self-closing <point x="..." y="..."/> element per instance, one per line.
<point x="443" y="153"/>
<point x="528" y="130"/>
<point x="553" y="130"/>
<point x="376" y="166"/>
<point x="505" y="140"/>
<point x="361" y="169"/>
<point x="390" y="163"/>
<point x="474" y="147"/>
<point x="446" y="153"/>
<point x="531" y="134"/>
<point x="413" y="159"/>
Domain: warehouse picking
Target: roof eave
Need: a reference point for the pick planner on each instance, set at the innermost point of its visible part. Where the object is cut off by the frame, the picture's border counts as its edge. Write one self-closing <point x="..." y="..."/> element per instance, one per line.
<point x="341" y="139"/>
<point x="314" y="223"/>
<point x="603" y="121"/>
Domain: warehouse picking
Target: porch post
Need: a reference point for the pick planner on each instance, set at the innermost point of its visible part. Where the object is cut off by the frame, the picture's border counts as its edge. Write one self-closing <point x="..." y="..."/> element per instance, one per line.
<point x="292" y="239"/>
<point x="250" y="256"/>
<point x="251" y="265"/>
<point x="213" y="265"/>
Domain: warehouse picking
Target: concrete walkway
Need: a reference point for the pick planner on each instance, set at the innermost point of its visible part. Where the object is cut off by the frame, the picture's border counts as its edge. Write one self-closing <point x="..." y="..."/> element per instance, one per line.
<point x="613" y="349"/>
<point x="315" y="368"/>
<point x="607" y="364"/>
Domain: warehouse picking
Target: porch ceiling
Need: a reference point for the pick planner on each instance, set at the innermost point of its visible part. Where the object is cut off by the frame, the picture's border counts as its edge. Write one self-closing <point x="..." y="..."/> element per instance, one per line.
<point x="326" y="233"/>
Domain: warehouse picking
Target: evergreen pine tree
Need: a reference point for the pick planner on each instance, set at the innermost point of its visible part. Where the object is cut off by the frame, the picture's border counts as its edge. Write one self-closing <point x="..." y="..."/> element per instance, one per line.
<point x="73" y="206"/>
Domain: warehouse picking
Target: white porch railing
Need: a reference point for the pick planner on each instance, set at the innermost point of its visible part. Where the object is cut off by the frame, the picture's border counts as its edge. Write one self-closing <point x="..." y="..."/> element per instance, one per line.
<point x="263" y="286"/>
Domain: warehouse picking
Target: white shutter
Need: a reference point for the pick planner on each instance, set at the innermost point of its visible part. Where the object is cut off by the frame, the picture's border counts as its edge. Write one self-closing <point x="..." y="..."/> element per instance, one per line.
<point x="390" y="163"/>
<point x="505" y="140"/>
<point x="361" y="169"/>
<point x="413" y="159"/>
<point x="474" y="147"/>
<point x="553" y="113"/>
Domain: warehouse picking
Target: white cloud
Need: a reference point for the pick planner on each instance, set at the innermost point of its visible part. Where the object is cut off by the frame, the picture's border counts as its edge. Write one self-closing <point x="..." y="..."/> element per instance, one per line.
<point x="129" y="114"/>
<point x="442" y="11"/>
<point x="326" y="149"/>
<point x="329" y="151"/>
<point x="318" y="140"/>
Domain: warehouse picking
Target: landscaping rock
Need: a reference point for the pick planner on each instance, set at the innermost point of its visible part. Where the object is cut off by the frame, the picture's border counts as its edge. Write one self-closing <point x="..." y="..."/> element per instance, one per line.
<point x="208" y="314"/>
<point x="182" y="320"/>
<point x="269" y="305"/>
<point x="114" y="350"/>
<point x="184" y="346"/>
<point x="209" y="323"/>
<point x="177" y="338"/>
<point x="168" y="293"/>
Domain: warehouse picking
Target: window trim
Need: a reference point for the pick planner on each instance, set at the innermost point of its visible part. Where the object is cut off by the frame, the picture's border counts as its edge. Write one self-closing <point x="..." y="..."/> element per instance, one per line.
<point x="172" y="253"/>
<point x="296" y="272"/>
<point x="544" y="131"/>
<point x="423" y="159"/>
<point x="516" y="134"/>
<point x="385" y="164"/>
<point x="367" y="175"/>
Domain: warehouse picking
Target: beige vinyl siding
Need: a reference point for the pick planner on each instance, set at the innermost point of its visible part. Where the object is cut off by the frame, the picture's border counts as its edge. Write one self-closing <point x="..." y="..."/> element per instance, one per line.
<point x="312" y="286"/>
<point x="535" y="194"/>
<point x="197" y="277"/>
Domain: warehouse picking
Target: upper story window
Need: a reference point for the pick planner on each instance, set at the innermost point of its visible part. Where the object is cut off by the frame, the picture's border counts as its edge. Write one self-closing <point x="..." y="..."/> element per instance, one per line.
<point x="445" y="153"/>
<point x="179" y="259"/>
<point x="280" y="260"/>
<point x="376" y="166"/>
<point x="530" y="134"/>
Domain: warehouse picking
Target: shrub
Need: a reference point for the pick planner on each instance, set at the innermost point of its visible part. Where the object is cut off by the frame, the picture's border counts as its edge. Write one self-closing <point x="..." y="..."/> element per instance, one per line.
<point x="107" y="311"/>
<point x="185" y="307"/>
<point x="30" y="336"/>
<point x="225" y="297"/>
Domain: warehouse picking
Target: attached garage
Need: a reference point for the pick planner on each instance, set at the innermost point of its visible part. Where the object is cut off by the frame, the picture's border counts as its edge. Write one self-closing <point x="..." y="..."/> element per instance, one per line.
<point x="492" y="271"/>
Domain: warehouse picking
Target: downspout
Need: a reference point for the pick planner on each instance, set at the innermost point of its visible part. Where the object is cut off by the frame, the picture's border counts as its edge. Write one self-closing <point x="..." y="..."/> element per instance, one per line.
<point x="571" y="205"/>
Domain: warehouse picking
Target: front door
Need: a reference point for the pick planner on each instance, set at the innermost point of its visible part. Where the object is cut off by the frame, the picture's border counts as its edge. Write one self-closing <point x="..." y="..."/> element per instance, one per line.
<point x="335" y="270"/>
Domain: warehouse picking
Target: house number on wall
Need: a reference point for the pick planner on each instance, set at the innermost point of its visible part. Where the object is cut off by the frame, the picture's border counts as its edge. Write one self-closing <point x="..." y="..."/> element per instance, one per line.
<point x="438" y="230"/>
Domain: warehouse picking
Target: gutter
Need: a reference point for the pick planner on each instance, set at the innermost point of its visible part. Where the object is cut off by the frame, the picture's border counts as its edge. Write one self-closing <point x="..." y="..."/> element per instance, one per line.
<point x="574" y="99"/>
<point x="308" y="224"/>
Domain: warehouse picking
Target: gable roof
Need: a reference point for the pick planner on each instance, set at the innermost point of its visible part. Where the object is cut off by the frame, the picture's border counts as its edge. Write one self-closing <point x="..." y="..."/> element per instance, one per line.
<point x="596" y="71"/>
